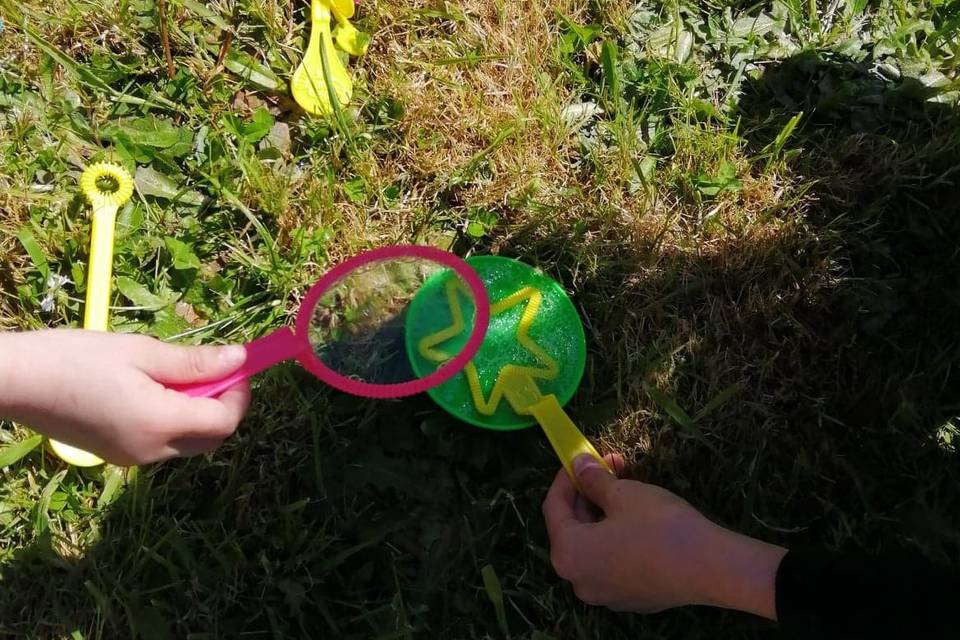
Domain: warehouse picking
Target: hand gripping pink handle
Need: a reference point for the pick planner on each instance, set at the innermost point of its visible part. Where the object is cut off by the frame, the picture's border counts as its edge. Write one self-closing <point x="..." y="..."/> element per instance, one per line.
<point x="261" y="355"/>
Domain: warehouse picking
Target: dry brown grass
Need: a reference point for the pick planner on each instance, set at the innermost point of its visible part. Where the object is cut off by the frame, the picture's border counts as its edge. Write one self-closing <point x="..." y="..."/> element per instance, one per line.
<point x="466" y="82"/>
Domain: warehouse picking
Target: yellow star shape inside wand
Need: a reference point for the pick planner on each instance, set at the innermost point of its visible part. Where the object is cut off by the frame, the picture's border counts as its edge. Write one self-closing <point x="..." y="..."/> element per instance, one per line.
<point x="531" y="298"/>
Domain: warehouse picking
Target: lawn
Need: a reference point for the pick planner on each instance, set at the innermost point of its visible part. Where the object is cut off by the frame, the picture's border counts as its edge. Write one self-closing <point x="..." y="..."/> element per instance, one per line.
<point x="754" y="207"/>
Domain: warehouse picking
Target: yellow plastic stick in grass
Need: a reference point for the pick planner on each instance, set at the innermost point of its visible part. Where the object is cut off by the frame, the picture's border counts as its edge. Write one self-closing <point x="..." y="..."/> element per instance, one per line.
<point x="106" y="187"/>
<point x="321" y="77"/>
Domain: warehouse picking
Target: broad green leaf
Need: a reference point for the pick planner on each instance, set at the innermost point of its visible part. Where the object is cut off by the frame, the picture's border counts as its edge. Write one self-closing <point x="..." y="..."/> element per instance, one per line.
<point x="233" y="124"/>
<point x="149" y="131"/>
<point x="726" y="173"/>
<point x="724" y="180"/>
<point x="79" y="275"/>
<point x="201" y="9"/>
<point x="759" y="25"/>
<point x="131" y="153"/>
<point x="249" y="69"/>
<point x="113" y="480"/>
<point x="491" y="584"/>
<point x="151" y="182"/>
<point x="611" y="69"/>
<point x="646" y="168"/>
<point x="476" y="230"/>
<point x="167" y="324"/>
<point x="41" y="520"/>
<point x="585" y="34"/>
<point x="259" y="126"/>
<point x="356" y="190"/>
<point x="708" y="188"/>
<point x="683" y="47"/>
<point x="182" y="255"/>
<point x="13" y="453"/>
<point x="139" y="294"/>
<point x="34" y="251"/>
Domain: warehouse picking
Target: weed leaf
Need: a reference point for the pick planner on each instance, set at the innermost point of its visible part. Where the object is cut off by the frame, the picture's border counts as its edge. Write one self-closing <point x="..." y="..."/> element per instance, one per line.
<point x="183" y="257"/>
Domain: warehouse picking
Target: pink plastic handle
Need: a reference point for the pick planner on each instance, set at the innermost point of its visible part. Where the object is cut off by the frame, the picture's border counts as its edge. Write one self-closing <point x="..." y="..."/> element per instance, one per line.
<point x="261" y="355"/>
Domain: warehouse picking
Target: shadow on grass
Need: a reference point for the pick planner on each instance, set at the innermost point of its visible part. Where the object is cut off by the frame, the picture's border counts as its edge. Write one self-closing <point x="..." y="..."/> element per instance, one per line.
<point x="834" y="339"/>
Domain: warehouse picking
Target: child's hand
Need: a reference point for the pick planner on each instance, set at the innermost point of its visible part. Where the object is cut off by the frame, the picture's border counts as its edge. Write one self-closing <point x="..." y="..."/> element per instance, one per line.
<point x="647" y="550"/>
<point x="105" y="393"/>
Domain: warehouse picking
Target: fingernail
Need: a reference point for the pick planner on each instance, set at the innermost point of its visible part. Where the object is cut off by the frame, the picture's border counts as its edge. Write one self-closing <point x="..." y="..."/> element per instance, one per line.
<point x="584" y="462"/>
<point x="232" y="355"/>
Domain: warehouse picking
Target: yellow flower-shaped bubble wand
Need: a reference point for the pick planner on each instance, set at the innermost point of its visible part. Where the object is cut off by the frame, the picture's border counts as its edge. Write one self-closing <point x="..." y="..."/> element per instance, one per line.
<point x="106" y="187"/>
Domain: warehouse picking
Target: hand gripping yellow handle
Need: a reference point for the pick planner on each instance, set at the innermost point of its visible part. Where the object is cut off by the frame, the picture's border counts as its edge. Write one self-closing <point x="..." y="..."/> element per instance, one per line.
<point x="566" y="439"/>
<point x="107" y="187"/>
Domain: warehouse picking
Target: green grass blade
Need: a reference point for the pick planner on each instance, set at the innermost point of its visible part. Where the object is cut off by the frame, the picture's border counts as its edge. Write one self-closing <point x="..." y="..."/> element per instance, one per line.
<point x="776" y="147"/>
<point x="33" y="250"/>
<point x="491" y="584"/>
<point x="678" y="415"/>
<point x="718" y="401"/>
<point x="13" y="453"/>
<point x="41" y="520"/>
<point x="609" y="56"/>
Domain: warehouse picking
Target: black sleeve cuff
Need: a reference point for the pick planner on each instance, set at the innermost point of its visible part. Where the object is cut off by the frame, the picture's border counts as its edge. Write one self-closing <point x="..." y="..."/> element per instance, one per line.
<point x="822" y="595"/>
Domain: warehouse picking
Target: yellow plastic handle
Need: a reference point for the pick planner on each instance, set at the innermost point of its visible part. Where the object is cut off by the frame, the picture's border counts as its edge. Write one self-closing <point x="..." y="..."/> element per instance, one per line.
<point x="343" y="8"/>
<point x="321" y="74"/>
<point x="100" y="270"/>
<point x="96" y="314"/>
<point x="567" y="440"/>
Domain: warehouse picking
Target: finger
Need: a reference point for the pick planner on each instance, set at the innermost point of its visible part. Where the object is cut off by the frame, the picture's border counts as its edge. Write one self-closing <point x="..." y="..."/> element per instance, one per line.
<point x="202" y="418"/>
<point x="585" y="511"/>
<point x="558" y="506"/>
<point x="616" y="463"/>
<point x="236" y="401"/>
<point x="186" y="447"/>
<point x="596" y="481"/>
<point x="175" y="364"/>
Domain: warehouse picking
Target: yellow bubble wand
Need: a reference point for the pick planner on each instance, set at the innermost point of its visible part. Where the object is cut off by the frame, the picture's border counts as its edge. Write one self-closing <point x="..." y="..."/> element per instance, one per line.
<point x="106" y="187"/>
<point x="321" y="84"/>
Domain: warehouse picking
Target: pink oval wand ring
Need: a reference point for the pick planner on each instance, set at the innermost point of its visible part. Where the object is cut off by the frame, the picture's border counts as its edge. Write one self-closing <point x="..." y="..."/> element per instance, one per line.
<point x="349" y="331"/>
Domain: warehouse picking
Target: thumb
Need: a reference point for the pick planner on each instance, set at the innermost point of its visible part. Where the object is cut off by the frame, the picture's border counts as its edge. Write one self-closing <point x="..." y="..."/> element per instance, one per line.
<point x="172" y="364"/>
<point x="596" y="482"/>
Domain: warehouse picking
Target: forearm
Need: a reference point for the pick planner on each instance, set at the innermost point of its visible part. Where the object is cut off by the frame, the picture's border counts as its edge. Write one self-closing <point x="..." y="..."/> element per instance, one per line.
<point x="13" y="363"/>
<point x="32" y="369"/>
<point x="741" y="573"/>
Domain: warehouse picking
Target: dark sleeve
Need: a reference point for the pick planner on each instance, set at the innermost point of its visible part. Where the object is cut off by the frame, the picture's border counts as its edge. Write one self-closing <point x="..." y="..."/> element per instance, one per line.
<point x="824" y="595"/>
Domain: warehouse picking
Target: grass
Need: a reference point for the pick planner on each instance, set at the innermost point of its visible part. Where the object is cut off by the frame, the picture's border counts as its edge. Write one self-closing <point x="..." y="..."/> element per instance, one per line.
<point x="754" y="207"/>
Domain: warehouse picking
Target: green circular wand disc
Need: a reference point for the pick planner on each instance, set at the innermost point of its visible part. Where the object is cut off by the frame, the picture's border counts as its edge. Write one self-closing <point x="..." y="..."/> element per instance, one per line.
<point x="533" y="325"/>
